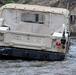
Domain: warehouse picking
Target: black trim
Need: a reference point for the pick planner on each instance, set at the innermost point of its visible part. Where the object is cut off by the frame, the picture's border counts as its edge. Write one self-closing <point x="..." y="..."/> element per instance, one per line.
<point x="36" y="17"/>
<point x="31" y="54"/>
<point x="73" y="34"/>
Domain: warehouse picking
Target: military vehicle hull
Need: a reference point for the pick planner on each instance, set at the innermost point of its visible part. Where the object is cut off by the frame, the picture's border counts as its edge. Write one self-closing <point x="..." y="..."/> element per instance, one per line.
<point x="34" y="32"/>
<point x="30" y="54"/>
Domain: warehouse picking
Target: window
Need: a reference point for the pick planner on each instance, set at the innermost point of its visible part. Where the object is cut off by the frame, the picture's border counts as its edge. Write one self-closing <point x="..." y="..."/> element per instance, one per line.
<point x="32" y="18"/>
<point x="73" y="19"/>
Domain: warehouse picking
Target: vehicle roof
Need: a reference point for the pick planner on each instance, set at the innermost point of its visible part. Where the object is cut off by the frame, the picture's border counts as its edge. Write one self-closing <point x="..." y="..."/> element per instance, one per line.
<point x="36" y="8"/>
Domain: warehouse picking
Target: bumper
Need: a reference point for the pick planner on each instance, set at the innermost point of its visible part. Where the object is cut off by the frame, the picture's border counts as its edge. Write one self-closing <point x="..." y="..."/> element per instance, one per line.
<point x="30" y="54"/>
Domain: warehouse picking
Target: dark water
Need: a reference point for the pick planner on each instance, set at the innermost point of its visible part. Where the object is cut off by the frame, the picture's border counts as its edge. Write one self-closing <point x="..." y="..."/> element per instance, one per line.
<point x="20" y="67"/>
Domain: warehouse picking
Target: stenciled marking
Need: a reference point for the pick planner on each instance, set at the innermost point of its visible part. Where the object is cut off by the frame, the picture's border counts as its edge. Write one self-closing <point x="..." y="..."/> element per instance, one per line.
<point x="17" y="37"/>
<point x="38" y="40"/>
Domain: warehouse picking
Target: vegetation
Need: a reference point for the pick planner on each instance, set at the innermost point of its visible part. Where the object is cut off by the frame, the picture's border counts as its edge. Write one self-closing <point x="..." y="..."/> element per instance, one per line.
<point x="2" y="2"/>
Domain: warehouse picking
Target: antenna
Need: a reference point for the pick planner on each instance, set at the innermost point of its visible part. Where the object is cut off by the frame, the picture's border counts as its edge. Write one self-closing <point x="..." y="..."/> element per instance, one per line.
<point x="68" y="4"/>
<point x="63" y="39"/>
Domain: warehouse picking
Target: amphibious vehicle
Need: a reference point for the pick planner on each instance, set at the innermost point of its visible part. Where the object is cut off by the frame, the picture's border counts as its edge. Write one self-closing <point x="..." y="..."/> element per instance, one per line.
<point x="34" y="32"/>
